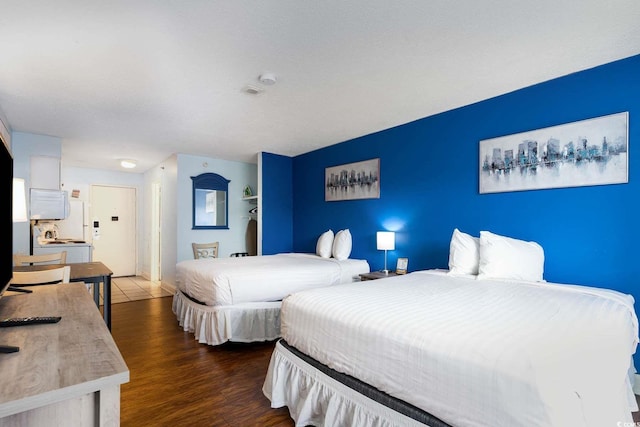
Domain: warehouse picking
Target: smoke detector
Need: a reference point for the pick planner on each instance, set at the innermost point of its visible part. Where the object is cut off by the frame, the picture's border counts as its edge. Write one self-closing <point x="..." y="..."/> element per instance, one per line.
<point x="267" y="79"/>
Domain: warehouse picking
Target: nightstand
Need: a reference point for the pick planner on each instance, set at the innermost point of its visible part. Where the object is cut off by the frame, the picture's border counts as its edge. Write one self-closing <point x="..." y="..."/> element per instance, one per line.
<point x="374" y="275"/>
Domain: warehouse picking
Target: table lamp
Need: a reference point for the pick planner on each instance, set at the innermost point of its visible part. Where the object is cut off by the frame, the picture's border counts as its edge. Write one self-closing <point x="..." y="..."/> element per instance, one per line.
<point x="386" y="241"/>
<point x="19" y="201"/>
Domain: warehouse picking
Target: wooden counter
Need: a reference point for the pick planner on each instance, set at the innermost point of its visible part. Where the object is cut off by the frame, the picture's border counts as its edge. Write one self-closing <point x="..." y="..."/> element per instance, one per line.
<point x="66" y="373"/>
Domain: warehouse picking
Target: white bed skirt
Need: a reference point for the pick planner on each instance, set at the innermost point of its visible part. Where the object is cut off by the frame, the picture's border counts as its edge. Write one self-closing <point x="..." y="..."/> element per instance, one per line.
<point x="247" y="322"/>
<point x="314" y="398"/>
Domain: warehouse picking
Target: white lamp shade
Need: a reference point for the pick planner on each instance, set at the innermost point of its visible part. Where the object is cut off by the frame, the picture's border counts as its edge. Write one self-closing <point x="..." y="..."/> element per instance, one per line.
<point x="19" y="201"/>
<point x="386" y="240"/>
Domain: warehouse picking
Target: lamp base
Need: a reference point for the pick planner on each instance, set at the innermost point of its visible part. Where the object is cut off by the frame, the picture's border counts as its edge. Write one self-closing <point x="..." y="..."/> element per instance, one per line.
<point x="385" y="271"/>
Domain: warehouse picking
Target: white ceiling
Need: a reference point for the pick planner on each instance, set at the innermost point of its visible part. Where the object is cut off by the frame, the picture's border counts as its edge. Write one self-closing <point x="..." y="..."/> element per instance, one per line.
<point x="144" y="79"/>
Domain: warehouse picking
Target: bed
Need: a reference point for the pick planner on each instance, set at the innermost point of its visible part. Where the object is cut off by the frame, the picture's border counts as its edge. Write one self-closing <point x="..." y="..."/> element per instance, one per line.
<point x="238" y="299"/>
<point x="455" y="350"/>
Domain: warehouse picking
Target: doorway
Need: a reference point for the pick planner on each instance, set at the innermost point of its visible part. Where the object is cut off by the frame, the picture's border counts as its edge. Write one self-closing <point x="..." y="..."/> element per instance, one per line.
<point x="113" y="228"/>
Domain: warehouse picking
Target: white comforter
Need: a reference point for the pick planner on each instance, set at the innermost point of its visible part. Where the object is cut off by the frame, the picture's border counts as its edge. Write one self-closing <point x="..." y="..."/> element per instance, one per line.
<point x="229" y="281"/>
<point x="477" y="353"/>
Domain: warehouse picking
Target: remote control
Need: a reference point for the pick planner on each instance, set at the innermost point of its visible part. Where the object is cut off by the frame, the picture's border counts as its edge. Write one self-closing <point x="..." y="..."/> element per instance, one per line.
<point x="19" y="321"/>
<point x="8" y="349"/>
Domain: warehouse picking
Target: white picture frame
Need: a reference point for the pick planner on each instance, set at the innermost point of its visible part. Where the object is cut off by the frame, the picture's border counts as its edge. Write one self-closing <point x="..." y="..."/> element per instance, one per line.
<point x="401" y="265"/>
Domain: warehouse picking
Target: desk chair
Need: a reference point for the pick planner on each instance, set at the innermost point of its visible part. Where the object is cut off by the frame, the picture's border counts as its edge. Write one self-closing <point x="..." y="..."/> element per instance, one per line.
<point x="205" y="250"/>
<point x="55" y="258"/>
<point x="56" y="275"/>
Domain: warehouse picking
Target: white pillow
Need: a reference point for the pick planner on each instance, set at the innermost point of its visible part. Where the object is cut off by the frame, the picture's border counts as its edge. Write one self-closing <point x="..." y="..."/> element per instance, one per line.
<point x="464" y="253"/>
<point x="342" y="245"/>
<point x="325" y="244"/>
<point x="506" y="258"/>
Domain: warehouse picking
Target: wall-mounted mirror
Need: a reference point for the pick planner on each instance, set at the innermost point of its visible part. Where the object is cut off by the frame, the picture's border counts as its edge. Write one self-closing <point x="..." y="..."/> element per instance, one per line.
<point x="210" y="207"/>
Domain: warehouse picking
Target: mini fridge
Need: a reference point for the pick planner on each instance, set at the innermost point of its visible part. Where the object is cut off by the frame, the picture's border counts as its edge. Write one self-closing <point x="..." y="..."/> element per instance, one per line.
<point x="75" y="226"/>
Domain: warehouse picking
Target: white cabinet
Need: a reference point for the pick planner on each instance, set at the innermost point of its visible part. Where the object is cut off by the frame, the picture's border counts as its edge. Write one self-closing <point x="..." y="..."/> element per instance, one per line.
<point x="45" y="172"/>
<point x="76" y="252"/>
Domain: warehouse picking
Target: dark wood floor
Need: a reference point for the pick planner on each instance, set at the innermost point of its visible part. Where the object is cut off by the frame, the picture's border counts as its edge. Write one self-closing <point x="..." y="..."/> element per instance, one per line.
<point x="177" y="382"/>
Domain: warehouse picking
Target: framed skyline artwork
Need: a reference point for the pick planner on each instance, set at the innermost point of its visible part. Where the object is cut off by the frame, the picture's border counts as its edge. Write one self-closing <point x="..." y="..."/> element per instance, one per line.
<point x="586" y="152"/>
<point x="359" y="180"/>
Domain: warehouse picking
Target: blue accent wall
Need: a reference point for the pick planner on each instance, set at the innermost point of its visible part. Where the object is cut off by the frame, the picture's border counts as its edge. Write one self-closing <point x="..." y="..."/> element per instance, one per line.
<point x="277" y="204"/>
<point x="429" y="185"/>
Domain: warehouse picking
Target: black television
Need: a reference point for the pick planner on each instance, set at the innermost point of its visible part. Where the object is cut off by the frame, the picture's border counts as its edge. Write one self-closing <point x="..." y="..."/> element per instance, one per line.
<point x="6" y="217"/>
<point x="6" y="226"/>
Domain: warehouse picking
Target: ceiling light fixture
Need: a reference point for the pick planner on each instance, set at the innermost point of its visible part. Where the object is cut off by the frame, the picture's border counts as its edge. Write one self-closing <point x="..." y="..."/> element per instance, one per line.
<point x="252" y="90"/>
<point x="128" y="163"/>
<point x="267" y="79"/>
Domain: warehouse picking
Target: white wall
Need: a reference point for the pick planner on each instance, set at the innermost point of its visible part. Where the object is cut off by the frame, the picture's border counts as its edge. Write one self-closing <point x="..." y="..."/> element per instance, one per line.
<point x="25" y="145"/>
<point x="73" y="178"/>
<point x="174" y="176"/>
<point x="164" y="175"/>
<point x="231" y="240"/>
<point x="151" y="177"/>
<point x="168" y="227"/>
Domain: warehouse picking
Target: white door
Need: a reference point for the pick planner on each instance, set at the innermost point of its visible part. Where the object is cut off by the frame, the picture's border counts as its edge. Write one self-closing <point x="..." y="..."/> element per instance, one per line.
<point x="113" y="225"/>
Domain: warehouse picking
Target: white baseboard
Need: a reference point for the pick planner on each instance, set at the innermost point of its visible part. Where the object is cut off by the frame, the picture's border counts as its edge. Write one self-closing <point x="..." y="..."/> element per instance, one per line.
<point x="171" y="288"/>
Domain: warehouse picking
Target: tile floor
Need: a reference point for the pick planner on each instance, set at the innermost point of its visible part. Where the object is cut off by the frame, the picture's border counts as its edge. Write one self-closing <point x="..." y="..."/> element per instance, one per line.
<point x="124" y="289"/>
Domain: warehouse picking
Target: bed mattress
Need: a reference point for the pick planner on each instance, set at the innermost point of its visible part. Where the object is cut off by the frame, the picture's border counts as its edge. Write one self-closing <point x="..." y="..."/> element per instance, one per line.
<point x="237" y="280"/>
<point x="477" y="353"/>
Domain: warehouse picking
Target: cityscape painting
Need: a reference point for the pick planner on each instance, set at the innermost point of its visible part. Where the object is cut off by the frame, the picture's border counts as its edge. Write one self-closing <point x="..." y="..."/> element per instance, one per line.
<point x="587" y="152"/>
<point x="360" y="180"/>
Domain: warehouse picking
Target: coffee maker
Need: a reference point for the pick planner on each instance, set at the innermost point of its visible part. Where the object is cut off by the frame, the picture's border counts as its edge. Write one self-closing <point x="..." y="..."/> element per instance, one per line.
<point x="45" y="231"/>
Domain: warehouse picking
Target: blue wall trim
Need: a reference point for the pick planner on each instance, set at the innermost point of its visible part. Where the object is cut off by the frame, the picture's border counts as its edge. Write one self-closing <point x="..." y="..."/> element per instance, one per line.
<point x="429" y="185"/>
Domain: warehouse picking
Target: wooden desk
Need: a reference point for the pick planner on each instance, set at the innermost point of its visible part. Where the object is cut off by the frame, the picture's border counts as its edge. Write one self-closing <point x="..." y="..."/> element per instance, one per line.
<point x="67" y="373"/>
<point x="88" y="272"/>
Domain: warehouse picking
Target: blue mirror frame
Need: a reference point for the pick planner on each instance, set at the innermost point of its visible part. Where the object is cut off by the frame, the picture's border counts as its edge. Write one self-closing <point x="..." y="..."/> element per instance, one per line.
<point x="210" y="199"/>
